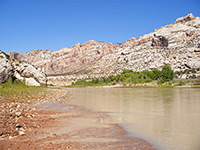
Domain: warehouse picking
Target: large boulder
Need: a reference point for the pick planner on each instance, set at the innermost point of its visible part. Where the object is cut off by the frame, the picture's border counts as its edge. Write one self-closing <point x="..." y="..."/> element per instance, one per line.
<point x="31" y="75"/>
<point x="6" y="68"/>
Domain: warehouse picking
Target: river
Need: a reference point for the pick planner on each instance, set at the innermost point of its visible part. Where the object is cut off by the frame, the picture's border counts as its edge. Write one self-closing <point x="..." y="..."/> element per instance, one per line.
<point x="167" y="118"/>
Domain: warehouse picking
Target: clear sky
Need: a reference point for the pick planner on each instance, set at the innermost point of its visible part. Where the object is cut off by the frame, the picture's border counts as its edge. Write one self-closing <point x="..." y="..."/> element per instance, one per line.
<point x="27" y="25"/>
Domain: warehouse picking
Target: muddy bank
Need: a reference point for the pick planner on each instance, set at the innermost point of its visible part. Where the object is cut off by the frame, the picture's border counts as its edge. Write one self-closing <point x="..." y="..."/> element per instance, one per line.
<point x="54" y="125"/>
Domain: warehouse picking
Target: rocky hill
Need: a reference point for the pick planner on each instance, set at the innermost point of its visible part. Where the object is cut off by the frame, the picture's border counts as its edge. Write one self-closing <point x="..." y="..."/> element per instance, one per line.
<point x="20" y="71"/>
<point x="176" y="44"/>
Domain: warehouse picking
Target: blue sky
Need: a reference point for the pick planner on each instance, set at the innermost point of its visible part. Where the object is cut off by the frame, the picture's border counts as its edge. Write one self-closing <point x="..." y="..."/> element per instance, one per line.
<point x="27" y="25"/>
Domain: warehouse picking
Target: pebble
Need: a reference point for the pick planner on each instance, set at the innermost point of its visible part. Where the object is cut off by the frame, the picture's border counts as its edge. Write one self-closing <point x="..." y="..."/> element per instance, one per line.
<point x="10" y="137"/>
<point x="29" y="116"/>
<point x="34" y="109"/>
<point x="18" y="114"/>
<point x="54" y="135"/>
<point x="18" y="126"/>
<point x="21" y="133"/>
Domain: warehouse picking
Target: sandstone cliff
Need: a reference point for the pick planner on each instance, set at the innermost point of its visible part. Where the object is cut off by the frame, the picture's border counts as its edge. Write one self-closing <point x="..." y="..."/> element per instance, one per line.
<point x="177" y="44"/>
<point x="21" y="71"/>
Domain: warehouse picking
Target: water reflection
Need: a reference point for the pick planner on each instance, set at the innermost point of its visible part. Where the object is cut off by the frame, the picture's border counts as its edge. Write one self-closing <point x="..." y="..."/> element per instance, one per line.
<point x="169" y="118"/>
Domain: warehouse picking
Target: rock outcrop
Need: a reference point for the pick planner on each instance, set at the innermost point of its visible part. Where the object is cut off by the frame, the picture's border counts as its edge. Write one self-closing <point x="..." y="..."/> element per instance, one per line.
<point x="6" y="68"/>
<point x="159" y="41"/>
<point x="189" y="17"/>
<point x="21" y="71"/>
<point x="175" y="44"/>
<point x="31" y="75"/>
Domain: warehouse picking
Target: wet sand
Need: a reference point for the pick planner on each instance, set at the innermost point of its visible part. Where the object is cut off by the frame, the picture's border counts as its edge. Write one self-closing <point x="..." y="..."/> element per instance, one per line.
<point x="62" y="126"/>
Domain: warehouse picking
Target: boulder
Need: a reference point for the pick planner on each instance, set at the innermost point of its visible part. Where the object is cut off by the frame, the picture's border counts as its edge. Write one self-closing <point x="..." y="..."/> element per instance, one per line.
<point x="6" y="68"/>
<point x="31" y="75"/>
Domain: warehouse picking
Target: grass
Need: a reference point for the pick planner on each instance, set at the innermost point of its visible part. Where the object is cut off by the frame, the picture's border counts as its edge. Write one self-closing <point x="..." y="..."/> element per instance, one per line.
<point x="186" y="82"/>
<point x="196" y="86"/>
<point x="16" y="91"/>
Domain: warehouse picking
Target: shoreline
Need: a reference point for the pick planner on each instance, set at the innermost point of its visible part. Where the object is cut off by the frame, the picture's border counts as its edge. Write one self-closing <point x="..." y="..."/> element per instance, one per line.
<point x="62" y="126"/>
<point x="130" y="86"/>
<point x="181" y="83"/>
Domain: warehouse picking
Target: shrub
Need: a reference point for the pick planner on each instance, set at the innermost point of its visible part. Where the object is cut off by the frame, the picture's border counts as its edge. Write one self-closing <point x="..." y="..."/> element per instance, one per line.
<point x="114" y="82"/>
<point x="155" y="74"/>
<point x="167" y="74"/>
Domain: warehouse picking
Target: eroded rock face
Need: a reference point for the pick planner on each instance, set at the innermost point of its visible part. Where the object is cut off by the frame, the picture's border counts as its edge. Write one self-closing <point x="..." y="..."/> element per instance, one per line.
<point x="6" y="68"/>
<point x="159" y="41"/>
<point x="175" y="44"/>
<point x="30" y="74"/>
<point x="67" y="59"/>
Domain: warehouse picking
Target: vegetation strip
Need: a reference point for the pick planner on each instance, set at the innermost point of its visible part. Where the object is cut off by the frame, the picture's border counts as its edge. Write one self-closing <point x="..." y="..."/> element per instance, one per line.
<point x="130" y="77"/>
<point x="162" y="77"/>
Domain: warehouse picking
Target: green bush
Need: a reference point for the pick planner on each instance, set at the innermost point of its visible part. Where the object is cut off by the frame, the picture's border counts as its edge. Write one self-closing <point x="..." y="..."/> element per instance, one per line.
<point x="155" y="74"/>
<point x="167" y="74"/>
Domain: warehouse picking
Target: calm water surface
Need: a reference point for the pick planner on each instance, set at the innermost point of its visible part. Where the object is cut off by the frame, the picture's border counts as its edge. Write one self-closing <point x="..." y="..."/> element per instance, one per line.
<point x="168" y="118"/>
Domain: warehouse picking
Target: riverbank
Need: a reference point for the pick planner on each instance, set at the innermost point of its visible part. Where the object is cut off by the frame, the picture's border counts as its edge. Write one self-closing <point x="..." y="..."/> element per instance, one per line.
<point x="178" y="83"/>
<point x="49" y="123"/>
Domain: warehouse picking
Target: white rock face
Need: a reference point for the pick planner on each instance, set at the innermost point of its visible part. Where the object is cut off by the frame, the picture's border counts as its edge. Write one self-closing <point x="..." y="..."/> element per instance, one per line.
<point x="6" y="68"/>
<point x="21" y="71"/>
<point x="31" y="75"/>
<point x="28" y="81"/>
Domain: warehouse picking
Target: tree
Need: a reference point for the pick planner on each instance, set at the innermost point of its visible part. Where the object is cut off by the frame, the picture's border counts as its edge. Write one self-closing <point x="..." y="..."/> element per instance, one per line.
<point x="167" y="74"/>
<point x="155" y="74"/>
